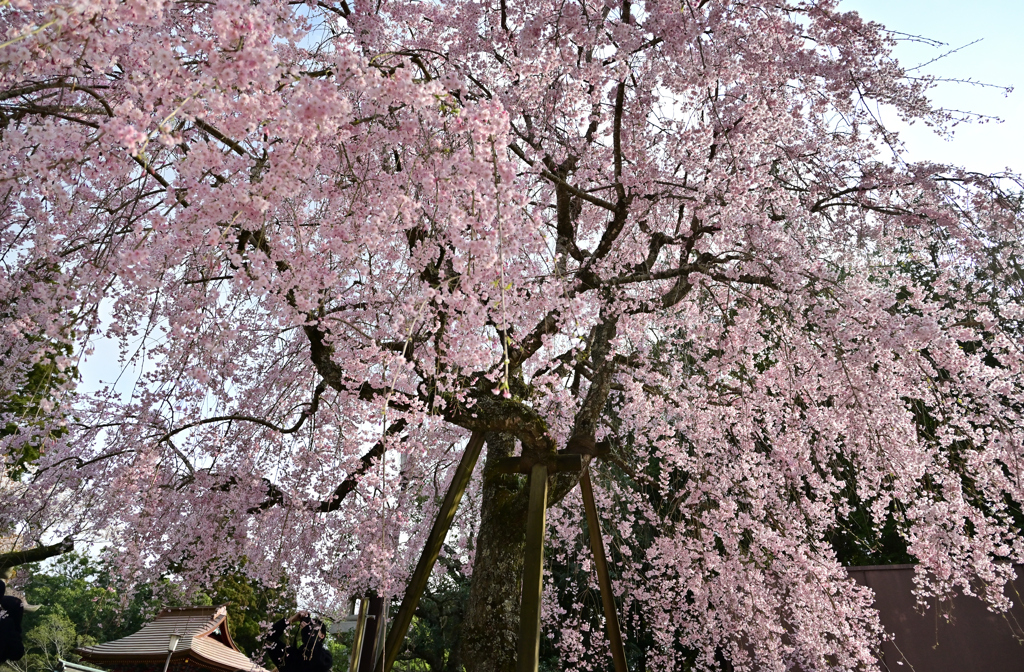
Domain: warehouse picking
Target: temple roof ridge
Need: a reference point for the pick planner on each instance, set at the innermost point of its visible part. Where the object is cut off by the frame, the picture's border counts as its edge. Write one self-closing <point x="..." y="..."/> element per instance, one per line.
<point x="205" y="641"/>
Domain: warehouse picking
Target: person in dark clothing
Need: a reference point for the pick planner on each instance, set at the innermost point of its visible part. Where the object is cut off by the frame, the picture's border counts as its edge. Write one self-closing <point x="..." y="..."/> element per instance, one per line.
<point x="11" y="611"/>
<point x="305" y="652"/>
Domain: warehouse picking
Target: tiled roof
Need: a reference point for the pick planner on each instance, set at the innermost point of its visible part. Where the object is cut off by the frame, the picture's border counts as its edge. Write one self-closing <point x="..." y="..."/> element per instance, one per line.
<point x="205" y="640"/>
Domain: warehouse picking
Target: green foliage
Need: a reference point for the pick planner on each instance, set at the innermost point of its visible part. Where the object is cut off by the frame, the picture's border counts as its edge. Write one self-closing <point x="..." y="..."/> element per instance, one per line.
<point x="248" y="602"/>
<point x="85" y="592"/>
<point x="31" y="409"/>
<point x="434" y="641"/>
<point x="53" y="638"/>
<point x="340" y="648"/>
<point x="81" y="605"/>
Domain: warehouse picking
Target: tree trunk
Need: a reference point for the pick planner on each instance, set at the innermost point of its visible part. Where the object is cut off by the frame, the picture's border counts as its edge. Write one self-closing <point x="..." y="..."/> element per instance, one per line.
<point x="490" y="632"/>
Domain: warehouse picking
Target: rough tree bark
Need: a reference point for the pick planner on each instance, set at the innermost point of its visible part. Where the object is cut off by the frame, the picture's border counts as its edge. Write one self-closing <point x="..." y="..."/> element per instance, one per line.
<point x="491" y="629"/>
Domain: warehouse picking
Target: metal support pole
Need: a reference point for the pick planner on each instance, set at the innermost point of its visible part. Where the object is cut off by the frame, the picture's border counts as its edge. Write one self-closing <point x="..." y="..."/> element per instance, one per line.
<point x="357" y="635"/>
<point x="533" y="572"/>
<point x="172" y="645"/>
<point x="431" y="549"/>
<point x="167" y="663"/>
<point x="611" y="619"/>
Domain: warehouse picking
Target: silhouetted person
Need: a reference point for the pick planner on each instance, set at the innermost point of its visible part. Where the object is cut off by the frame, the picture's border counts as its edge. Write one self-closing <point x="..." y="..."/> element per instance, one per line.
<point x="305" y="652"/>
<point x="11" y="611"/>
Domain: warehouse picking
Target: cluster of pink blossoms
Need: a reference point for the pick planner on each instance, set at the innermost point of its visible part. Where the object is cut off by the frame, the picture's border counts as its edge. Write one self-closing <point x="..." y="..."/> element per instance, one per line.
<point x="330" y="239"/>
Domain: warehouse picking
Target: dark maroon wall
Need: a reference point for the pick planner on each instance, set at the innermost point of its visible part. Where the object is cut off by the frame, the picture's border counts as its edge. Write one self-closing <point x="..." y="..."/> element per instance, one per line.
<point x="972" y="640"/>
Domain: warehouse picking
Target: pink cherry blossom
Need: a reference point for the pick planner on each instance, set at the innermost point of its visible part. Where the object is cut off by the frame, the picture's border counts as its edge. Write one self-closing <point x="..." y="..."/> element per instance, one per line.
<point x="330" y="241"/>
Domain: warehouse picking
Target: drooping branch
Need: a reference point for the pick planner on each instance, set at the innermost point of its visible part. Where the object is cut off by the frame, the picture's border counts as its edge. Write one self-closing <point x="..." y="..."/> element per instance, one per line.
<point x="365" y="462"/>
<point x="310" y="409"/>
<point x="229" y="142"/>
<point x="277" y="497"/>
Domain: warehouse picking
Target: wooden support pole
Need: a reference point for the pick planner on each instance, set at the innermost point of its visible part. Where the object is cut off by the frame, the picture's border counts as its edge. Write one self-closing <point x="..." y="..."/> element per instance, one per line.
<point x="611" y="619"/>
<point x="533" y="572"/>
<point x="372" y="631"/>
<point x="357" y="636"/>
<point x="418" y="583"/>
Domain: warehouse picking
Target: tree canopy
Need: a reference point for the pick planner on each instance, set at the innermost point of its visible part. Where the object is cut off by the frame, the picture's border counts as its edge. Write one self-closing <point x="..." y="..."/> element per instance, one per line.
<point x="333" y="238"/>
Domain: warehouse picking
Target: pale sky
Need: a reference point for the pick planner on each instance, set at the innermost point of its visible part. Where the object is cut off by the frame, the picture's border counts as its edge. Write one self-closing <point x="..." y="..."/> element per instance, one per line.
<point x="997" y="59"/>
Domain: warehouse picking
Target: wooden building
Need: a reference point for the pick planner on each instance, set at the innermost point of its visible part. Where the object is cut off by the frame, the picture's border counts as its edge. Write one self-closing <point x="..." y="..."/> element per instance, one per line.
<point x="186" y="639"/>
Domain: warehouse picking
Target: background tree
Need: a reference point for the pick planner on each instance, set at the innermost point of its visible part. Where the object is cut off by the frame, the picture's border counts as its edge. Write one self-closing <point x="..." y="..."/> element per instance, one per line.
<point x="436" y="634"/>
<point x="335" y="239"/>
<point x="82" y="604"/>
<point x="54" y="638"/>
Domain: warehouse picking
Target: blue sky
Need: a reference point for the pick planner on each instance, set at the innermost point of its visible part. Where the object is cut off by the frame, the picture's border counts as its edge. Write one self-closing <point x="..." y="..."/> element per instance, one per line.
<point x="997" y="59"/>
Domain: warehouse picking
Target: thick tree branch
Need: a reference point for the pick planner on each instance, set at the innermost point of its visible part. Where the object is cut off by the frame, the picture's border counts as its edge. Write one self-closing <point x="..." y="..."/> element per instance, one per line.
<point x="590" y="198"/>
<point x="37" y="554"/>
<point x="620" y="99"/>
<point x="277" y="497"/>
<point x="210" y="130"/>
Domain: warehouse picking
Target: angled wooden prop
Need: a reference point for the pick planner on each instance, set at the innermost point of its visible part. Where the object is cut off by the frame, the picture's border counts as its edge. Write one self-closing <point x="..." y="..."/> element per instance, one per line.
<point x="357" y="636"/>
<point x="528" y="656"/>
<point x="373" y="634"/>
<point x="418" y="583"/>
<point x="611" y="618"/>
